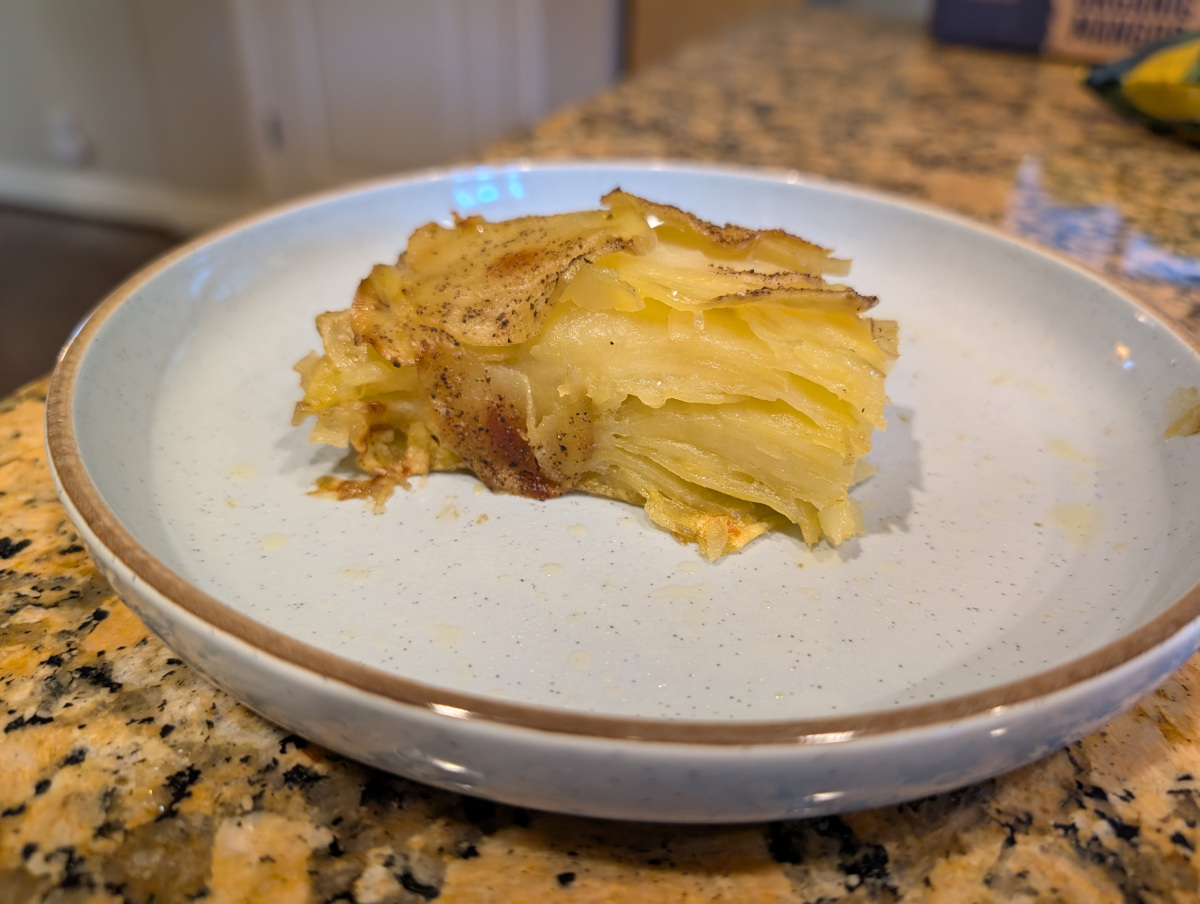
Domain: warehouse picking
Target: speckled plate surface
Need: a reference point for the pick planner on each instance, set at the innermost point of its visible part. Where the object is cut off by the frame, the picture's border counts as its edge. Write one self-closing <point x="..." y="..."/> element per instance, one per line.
<point x="1029" y="566"/>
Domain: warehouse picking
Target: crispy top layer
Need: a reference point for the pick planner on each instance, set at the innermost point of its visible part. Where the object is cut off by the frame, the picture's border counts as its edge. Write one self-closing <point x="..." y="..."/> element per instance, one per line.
<point x="490" y="284"/>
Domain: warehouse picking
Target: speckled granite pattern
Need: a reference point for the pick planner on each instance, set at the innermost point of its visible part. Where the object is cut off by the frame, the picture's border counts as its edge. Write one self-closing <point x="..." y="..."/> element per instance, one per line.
<point x="125" y="777"/>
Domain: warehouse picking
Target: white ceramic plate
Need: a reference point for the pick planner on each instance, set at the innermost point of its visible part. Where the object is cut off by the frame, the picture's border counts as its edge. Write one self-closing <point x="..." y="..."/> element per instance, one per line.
<point x="1029" y="567"/>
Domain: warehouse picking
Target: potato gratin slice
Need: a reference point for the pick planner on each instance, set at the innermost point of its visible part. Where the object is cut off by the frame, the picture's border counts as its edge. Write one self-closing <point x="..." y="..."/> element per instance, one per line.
<point x="708" y="373"/>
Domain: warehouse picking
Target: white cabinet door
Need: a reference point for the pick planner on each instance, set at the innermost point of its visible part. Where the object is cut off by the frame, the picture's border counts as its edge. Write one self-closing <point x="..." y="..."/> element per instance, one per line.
<point x="342" y="89"/>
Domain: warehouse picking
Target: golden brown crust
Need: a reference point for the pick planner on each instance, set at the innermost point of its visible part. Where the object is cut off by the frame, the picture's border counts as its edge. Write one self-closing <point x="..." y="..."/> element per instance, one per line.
<point x="376" y="488"/>
<point x="489" y="284"/>
<point x="733" y="238"/>
<point x="375" y="323"/>
<point x="484" y="425"/>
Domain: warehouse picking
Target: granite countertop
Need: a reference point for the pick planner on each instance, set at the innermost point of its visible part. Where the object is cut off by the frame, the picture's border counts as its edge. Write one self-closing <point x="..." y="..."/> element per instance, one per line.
<point x="124" y="776"/>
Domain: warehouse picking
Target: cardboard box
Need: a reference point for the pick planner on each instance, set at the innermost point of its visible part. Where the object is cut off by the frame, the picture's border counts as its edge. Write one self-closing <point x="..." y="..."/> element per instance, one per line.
<point x="1096" y="31"/>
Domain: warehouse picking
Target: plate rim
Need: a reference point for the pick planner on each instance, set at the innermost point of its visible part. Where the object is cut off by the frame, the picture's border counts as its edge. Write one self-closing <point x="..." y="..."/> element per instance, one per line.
<point x="82" y="496"/>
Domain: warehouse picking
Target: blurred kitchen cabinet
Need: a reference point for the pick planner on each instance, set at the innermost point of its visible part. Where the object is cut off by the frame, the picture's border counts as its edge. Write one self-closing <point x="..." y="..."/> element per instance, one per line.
<point x="186" y="113"/>
<point x="339" y="90"/>
<point x="129" y="109"/>
<point x="658" y="29"/>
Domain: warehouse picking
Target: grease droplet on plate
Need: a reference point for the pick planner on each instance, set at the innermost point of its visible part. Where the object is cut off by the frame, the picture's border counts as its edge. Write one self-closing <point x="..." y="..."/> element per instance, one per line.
<point x="444" y="635"/>
<point x="580" y="660"/>
<point x="552" y="569"/>
<point x="272" y="542"/>
<point x="357" y="572"/>
<point x="1078" y="521"/>
<point x="1069" y="452"/>
<point x="578" y="531"/>
<point x="1031" y="386"/>
<point x="242" y="471"/>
